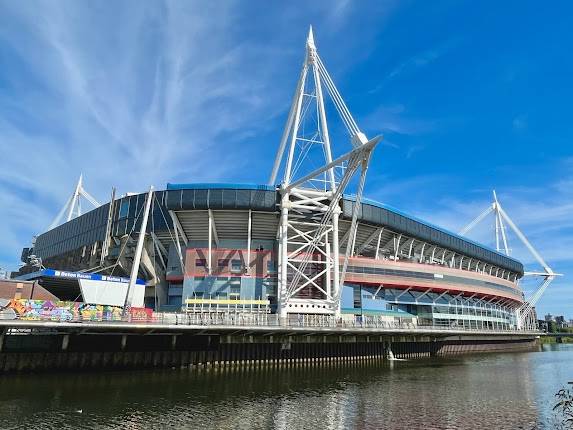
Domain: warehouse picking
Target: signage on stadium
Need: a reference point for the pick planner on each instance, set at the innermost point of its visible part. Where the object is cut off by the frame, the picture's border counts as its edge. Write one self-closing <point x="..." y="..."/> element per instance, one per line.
<point x="89" y="276"/>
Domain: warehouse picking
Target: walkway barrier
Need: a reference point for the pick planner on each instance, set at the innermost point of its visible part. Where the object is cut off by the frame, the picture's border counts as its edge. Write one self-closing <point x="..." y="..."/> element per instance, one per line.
<point x="303" y="321"/>
<point x="69" y="312"/>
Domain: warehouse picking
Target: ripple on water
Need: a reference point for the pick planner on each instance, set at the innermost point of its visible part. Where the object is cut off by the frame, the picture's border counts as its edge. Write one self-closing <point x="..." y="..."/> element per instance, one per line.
<point x="495" y="391"/>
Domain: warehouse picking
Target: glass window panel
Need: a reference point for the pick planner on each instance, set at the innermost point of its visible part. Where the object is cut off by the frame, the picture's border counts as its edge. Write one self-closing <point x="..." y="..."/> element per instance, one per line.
<point x="124" y="208"/>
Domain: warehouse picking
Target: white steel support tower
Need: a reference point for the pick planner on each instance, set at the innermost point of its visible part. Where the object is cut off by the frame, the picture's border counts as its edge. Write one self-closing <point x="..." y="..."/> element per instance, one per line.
<point x="310" y="278"/>
<point x="73" y="207"/>
<point x="499" y="225"/>
<point x="524" y="313"/>
<point x="137" y="255"/>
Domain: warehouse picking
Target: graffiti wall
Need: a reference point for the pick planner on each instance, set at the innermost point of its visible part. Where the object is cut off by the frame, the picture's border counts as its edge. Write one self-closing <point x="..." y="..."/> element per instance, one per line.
<point x="46" y="310"/>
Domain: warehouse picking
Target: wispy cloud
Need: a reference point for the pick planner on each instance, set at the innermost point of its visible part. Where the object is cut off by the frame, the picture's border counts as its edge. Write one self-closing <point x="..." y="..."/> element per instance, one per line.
<point x="423" y="58"/>
<point x="519" y="123"/>
<point x="416" y="61"/>
<point x="396" y="119"/>
<point x="339" y="9"/>
<point x="413" y="149"/>
<point x="387" y="189"/>
<point x="136" y="94"/>
<point x="127" y="103"/>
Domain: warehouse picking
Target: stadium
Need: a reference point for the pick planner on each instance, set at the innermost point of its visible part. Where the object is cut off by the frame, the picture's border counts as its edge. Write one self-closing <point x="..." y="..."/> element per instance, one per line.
<point x="303" y="245"/>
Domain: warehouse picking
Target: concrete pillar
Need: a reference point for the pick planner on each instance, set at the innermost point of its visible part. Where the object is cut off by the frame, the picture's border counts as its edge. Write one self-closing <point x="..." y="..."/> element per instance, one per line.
<point x="388" y="348"/>
<point x="65" y="342"/>
<point x="173" y="341"/>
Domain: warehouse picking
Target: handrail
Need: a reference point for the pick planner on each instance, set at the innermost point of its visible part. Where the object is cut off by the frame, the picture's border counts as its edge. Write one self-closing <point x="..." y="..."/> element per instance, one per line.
<point x="271" y="321"/>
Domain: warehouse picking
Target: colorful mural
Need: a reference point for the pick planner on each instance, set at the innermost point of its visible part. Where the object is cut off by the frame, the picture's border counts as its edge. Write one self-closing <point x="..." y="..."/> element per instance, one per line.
<point x="46" y="310"/>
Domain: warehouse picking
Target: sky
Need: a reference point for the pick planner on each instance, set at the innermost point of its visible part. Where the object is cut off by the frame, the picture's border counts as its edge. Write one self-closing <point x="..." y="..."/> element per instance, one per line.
<point x="469" y="97"/>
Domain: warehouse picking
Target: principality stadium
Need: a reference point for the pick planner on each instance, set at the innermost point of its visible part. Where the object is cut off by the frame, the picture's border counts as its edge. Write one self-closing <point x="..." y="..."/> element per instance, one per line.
<point x="306" y="243"/>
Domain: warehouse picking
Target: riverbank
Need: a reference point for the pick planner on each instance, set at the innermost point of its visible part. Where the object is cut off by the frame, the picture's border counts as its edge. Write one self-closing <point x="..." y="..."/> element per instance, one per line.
<point x="553" y="340"/>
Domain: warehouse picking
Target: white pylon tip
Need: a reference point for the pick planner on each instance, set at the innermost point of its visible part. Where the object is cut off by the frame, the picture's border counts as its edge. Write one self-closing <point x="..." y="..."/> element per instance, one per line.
<point x="310" y="38"/>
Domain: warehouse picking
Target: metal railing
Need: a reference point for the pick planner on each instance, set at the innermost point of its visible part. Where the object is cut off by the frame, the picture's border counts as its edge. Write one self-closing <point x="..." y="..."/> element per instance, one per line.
<point x="309" y="321"/>
<point x="273" y="321"/>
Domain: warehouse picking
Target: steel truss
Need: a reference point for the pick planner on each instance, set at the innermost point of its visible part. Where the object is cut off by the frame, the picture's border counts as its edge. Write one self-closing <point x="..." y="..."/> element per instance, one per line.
<point x="73" y="207"/>
<point x="526" y="318"/>
<point x="310" y="278"/>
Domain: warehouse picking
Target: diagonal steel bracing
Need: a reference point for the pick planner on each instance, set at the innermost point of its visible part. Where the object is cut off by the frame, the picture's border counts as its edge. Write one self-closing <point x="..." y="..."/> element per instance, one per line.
<point x="310" y="276"/>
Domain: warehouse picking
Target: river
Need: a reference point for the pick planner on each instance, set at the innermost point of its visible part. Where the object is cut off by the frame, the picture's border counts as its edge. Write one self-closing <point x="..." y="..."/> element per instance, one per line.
<point x="486" y="391"/>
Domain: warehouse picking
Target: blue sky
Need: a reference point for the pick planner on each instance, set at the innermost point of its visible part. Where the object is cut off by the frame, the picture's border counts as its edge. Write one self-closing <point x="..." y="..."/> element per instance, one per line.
<point x="469" y="96"/>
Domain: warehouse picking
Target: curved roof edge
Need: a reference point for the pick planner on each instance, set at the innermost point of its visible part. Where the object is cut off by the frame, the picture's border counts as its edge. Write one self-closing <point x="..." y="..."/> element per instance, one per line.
<point x="480" y="251"/>
<point x="516" y="264"/>
<point x="220" y="186"/>
<point x="265" y="198"/>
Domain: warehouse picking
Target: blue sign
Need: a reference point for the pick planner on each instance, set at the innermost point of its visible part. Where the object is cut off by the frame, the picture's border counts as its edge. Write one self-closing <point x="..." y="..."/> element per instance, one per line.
<point x="77" y="275"/>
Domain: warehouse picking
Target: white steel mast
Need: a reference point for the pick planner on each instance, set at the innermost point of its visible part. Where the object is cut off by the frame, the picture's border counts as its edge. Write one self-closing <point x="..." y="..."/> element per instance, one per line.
<point x="309" y="274"/>
<point x="525" y="311"/>
<point x="73" y="206"/>
<point x="138" y="252"/>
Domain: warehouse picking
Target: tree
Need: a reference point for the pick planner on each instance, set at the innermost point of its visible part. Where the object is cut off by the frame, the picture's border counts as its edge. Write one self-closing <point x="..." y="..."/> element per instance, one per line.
<point x="564" y="408"/>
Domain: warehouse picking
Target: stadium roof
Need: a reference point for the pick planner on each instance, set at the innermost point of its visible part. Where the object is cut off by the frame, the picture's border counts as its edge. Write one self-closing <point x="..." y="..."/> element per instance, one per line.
<point x="213" y="196"/>
<point x="262" y="198"/>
